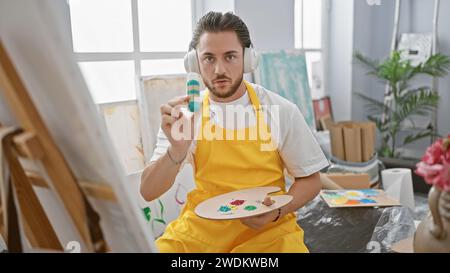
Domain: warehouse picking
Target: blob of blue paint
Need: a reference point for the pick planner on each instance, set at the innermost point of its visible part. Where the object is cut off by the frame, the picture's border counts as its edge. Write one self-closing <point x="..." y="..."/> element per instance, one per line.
<point x="369" y="192"/>
<point x="368" y="201"/>
<point x="224" y="209"/>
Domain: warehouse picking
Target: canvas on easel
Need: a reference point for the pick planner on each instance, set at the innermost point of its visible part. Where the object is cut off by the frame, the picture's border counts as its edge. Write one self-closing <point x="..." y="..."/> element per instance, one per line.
<point x="67" y="123"/>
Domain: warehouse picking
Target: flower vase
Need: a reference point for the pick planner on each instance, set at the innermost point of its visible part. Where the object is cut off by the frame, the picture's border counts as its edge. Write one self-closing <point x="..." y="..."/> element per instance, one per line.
<point x="433" y="233"/>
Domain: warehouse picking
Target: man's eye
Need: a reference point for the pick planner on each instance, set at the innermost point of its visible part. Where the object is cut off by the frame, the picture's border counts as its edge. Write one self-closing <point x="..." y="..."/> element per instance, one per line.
<point x="231" y="57"/>
<point x="209" y="59"/>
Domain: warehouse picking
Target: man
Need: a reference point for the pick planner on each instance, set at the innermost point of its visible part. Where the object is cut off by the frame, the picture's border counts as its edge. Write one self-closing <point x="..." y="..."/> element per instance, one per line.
<point x="220" y="42"/>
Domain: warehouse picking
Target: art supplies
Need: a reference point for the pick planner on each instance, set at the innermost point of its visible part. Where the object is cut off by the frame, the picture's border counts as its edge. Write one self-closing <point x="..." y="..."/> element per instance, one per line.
<point x="193" y="91"/>
<point x="240" y="204"/>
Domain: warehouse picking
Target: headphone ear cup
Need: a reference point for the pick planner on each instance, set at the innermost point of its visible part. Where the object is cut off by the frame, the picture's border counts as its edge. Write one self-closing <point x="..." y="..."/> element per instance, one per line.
<point x="191" y="62"/>
<point x="250" y="60"/>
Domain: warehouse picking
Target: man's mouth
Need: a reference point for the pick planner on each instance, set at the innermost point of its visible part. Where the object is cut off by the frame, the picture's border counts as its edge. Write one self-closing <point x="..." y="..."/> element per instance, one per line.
<point x="221" y="82"/>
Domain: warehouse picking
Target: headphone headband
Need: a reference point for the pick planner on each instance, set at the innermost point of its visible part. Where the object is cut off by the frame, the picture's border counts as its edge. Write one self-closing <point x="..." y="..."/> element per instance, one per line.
<point x="250" y="60"/>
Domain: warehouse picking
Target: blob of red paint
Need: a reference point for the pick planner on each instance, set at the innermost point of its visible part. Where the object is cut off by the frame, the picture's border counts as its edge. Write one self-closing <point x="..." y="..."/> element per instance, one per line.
<point x="237" y="202"/>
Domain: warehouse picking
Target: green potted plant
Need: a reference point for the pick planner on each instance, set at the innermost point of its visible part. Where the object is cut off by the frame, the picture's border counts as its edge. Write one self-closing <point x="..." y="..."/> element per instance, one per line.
<point x="406" y="103"/>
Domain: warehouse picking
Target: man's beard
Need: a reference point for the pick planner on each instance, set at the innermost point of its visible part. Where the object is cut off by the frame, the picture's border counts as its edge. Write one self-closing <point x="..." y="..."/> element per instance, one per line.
<point x="233" y="88"/>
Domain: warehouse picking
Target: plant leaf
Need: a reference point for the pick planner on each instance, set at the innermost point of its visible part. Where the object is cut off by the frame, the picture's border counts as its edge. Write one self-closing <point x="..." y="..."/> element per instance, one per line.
<point x="416" y="103"/>
<point x="422" y="134"/>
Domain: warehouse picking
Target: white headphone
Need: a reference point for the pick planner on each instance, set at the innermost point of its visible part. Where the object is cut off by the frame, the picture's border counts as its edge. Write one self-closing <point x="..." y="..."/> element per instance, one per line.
<point x="250" y="61"/>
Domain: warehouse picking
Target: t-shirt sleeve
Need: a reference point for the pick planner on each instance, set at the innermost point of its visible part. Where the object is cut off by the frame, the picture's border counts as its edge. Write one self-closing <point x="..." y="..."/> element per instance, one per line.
<point x="299" y="150"/>
<point x="162" y="144"/>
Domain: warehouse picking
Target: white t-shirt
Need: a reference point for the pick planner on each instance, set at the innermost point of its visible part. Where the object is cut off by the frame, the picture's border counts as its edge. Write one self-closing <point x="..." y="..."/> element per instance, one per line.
<point x="298" y="149"/>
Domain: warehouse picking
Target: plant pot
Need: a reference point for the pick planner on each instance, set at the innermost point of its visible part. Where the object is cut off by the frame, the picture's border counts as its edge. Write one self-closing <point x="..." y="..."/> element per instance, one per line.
<point x="433" y="233"/>
<point x="419" y="184"/>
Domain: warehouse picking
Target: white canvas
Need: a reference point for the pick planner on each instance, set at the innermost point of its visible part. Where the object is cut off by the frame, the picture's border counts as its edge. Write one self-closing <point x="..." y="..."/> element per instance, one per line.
<point x="34" y="34"/>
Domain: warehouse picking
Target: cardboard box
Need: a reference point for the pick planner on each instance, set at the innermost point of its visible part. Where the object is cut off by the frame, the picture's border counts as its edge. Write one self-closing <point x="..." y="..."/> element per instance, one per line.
<point x="353" y="141"/>
<point x="368" y="140"/>
<point x="326" y="122"/>
<point x="351" y="181"/>
<point x="337" y="142"/>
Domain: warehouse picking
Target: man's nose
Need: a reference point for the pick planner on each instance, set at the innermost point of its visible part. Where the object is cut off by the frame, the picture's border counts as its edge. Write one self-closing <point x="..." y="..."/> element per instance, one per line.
<point x="219" y="68"/>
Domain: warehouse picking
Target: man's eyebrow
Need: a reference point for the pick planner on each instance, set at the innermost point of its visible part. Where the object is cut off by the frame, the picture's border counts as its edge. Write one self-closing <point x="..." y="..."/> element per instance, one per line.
<point x="228" y="52"/>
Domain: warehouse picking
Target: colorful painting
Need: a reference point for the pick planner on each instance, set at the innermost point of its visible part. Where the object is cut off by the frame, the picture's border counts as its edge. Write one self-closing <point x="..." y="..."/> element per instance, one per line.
<point x="285" y="73"/>
<point x="357" y="198"/>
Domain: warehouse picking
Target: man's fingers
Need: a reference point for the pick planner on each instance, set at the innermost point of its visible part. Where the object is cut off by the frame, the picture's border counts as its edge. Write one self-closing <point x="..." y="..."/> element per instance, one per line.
<point x="167" y="120"/>
<point x="178" y="101"/>
<point x="268" y="201"/>
<point x="175" y="111"/>
<point x="165" y="109"/>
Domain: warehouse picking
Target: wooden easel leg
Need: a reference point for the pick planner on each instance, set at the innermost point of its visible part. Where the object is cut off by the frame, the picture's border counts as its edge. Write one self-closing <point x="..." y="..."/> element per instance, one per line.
<point x="12" y="230"/>
<point x="32" y="212"/>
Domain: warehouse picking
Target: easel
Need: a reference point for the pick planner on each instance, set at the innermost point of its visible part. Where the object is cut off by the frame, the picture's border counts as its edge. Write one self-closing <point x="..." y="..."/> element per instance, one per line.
<point x="34" y="142"/>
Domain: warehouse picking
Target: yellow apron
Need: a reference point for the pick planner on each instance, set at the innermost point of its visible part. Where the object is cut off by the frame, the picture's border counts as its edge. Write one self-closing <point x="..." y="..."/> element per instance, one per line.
<point x="227" y="165"/>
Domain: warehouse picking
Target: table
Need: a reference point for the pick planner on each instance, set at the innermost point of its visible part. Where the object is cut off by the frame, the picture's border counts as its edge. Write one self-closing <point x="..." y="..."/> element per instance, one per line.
<point x="351" y="230"/>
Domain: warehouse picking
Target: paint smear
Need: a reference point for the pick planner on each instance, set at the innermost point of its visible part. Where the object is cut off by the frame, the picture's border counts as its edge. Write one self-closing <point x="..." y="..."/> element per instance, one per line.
<point x="224" y="208"/>
<point x="339" y="201"/>
<point x="353" y="193"/>
<point x="250" y="208"/>
<point x="237" y="202"/>
<point x="368" y="201"/>
<point x="352" y="202"/>
<point x="370" y="192"/>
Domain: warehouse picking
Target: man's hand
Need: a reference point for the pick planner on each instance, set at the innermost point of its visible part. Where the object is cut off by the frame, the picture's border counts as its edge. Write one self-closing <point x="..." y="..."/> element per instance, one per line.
<point x="259" y="221"/>
<point x="303" y="190"/>
<point x="178" y="128"/>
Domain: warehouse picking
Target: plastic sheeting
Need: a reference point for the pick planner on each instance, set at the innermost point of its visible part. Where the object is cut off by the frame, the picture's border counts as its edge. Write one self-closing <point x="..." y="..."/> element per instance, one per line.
<point x="349" y="230"/>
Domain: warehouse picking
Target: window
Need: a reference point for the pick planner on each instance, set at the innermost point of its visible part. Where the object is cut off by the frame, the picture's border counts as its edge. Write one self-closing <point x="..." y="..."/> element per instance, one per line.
<point x="116" y="40"/>
<point x="310" y="30"/>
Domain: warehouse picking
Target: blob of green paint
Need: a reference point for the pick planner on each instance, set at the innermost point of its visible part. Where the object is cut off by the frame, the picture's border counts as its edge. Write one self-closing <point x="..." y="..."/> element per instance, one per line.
<point x="250" y="208"/>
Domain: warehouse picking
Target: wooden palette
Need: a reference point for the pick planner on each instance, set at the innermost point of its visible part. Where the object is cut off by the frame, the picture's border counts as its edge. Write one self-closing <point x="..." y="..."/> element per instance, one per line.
<point x="240" y="204"/>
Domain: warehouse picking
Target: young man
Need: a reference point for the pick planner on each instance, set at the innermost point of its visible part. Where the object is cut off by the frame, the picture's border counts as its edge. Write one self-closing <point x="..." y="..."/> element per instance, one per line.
<point x="220" y="42"/>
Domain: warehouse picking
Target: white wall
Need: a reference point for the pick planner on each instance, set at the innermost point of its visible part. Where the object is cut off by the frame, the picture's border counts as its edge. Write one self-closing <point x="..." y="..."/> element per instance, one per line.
<point x="340" y="46"/>
<point x="271" y="23"/>
<point x="214" y="5"/>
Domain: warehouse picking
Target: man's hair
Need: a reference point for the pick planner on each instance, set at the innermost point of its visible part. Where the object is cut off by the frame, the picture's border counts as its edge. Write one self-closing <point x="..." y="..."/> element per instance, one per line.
<point x="218" y="22"/>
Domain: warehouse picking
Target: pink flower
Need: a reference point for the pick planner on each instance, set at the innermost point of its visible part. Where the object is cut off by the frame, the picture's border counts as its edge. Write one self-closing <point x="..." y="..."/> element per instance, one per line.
<point x="444" y="182"/>
<point x="435" y="165"/>
<point x="431" y="173"/>
<point x="446" y="148"/>
<point x="433" y="153"/>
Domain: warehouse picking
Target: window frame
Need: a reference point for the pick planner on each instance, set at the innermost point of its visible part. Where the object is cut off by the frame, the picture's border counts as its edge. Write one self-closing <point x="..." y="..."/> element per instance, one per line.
<point x="323" y="49"/>
<point x="137" y="55"/>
